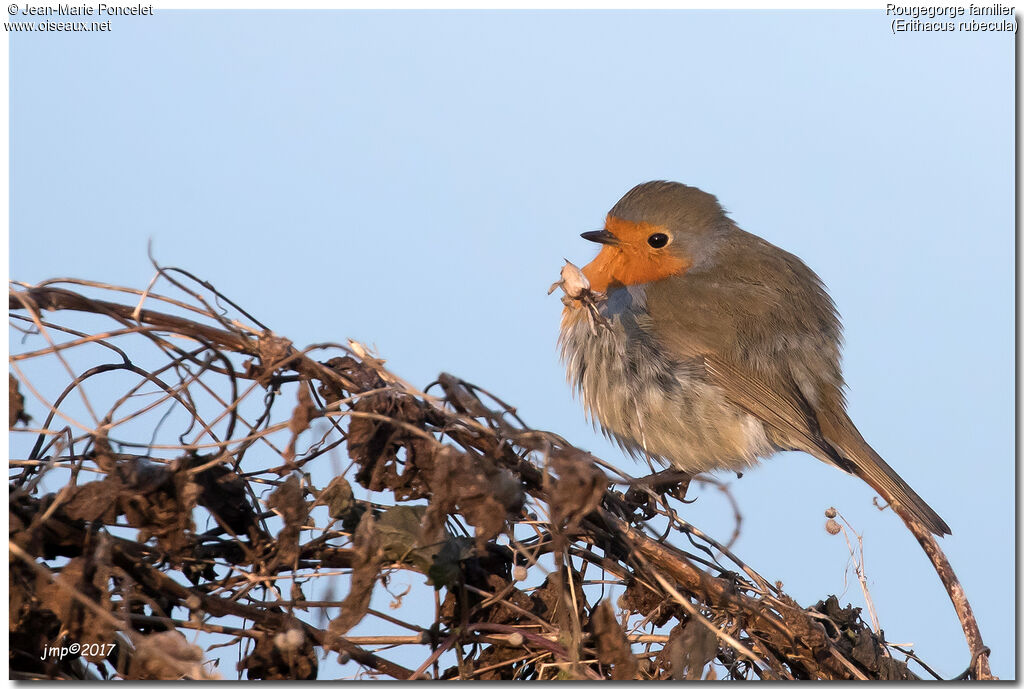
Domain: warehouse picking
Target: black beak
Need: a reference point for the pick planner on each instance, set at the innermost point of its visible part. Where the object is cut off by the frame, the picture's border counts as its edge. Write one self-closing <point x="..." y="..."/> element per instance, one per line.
<point x="601" y="237"/>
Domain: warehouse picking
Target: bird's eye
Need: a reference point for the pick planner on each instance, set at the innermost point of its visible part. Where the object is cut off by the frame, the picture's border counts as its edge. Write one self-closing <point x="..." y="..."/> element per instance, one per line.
<point x="658" y="240"/>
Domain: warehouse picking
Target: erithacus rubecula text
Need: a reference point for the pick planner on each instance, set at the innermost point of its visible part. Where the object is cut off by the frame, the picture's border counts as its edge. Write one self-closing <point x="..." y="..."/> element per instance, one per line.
<point x="715" y="348"/>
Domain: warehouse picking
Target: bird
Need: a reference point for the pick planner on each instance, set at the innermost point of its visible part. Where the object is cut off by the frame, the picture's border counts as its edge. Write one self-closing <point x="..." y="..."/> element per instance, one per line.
<point x="713" y="348"/>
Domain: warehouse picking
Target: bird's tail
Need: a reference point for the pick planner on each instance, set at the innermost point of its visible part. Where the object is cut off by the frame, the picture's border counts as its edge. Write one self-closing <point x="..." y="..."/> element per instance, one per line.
<point x="864" y="462"/>
<point x="894" y="489"/>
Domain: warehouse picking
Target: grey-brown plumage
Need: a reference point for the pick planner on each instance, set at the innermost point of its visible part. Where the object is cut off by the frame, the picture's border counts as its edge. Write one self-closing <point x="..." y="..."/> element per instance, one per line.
<point x="729" y="358"/>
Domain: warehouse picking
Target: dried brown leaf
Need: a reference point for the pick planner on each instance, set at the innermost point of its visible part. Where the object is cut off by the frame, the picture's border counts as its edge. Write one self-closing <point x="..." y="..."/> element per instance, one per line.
<point x="642" y="600"/>
<point x="857" y="642"/>
<point x="505" y="614"/>
<point x="374" y="444"/>
<point x="84" y="625"/>
<point x="31" y="626"/>
<point x="304" y="412"/>
<point x="223" y="492"/>
<point x="690" y="647"/>
<point x="95" y="501"/>
<point x="272" y="350"/>
<point x="288" y="654"/>
<point x="496" y="655"/>
<point x="484" y="498"/>
<point x="549" y="597"/>
<point x="612" y="645"/>
<point x="365" y="568"/>
<point x="166" y="655"/>
<point x="289" y="501"/>
<point x="399" y="536"/>
<point x="338" y="497"/>
<point x="15" y="403"/>
<point x="362" y="377"/>
<point x="578" y="489"/>
<point x="158" y="500"/>
<point x="103" y="454"/>
<point x="444" y="496"/>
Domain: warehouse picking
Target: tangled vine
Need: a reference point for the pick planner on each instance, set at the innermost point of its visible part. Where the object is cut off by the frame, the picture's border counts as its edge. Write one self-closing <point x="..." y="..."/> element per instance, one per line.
<point x="188" y="487"/>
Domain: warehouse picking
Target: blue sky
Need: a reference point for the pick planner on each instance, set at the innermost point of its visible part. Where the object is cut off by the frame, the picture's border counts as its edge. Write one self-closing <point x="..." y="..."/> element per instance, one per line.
<point x="413" y="180"/>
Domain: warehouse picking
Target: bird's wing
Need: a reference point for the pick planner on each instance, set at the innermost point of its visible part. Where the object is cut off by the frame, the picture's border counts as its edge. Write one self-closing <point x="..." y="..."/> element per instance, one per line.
<point x="788" y="377"/>
<point x="747" y="342"/>
<point x="779" y="406"/>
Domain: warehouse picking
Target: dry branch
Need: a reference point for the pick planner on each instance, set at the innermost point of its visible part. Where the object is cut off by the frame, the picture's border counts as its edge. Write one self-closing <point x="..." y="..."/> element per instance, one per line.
<point x="165" y="484"/>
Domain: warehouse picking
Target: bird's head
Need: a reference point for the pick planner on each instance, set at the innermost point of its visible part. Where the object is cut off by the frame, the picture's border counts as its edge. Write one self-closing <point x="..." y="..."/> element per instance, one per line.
<point x="657" y="230"/>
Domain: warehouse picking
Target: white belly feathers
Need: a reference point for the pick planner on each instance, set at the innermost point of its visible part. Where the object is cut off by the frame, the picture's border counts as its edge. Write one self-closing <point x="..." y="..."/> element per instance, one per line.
<point x="650" y="404"/>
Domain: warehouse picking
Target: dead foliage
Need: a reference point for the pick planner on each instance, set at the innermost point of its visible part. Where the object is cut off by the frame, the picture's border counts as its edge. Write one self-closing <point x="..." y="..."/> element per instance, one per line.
<point x="194" y="496"/>
<point x="166" y="655"/>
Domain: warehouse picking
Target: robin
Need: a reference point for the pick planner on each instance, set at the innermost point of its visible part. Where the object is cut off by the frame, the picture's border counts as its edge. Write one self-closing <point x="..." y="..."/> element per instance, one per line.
<point x="713" y="348"/>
